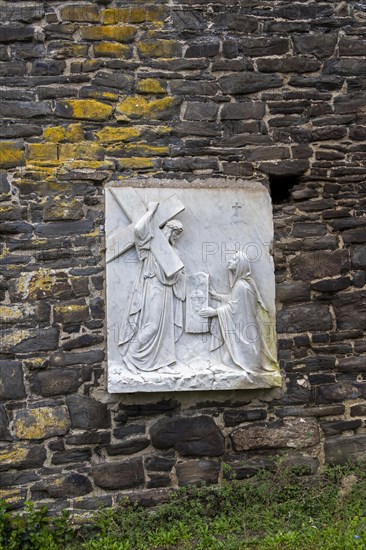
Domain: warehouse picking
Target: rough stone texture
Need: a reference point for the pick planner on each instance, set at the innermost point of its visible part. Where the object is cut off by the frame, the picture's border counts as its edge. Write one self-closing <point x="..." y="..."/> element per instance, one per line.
<point x="295" y="434"/>
<point x="119" y="475"/>
<point x="194" y="436"/>
<point x="196" y="472"/>
<point x="194" y="90"/>
<point x="342" y="448"/>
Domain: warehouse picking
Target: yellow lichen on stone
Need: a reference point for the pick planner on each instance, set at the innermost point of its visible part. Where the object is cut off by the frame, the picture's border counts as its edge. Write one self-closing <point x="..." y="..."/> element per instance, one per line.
<point x="135" y="163"/>
<point x="112" y="16"/>
<point x="89" y="109"/>
<point x="71" y="133"/>
<point x="120" y="33"/>
<point x="110" y="134"/>
<point x="32" y="285"/>
<point x="11" y="154"/>
<point x="41" y="152"/>
<point x="81" y="151"/>
<point x="137" y="107"/>
<point x="10" y="313"/>
<point x="41" y="422"/>
<point x="158" y="48"/>
<point x="11" y="339"/>
<point x="17" y="453"/>
<point x="61" y="209"/>
<point x="88" y="165"/>
<point x="11" y="496"/>
<point x="150" y="86"/>
<point x="111" y="49"/>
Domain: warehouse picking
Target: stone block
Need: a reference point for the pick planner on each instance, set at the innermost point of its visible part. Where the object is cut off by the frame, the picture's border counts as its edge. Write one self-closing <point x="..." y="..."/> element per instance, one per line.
<point x="138" y="107"/>
<point x="112" y="49"/>
<point x="80" y="12"/>
<point x="83" y="341"/>
<point x="87" y="413"/>
<point x="196" y="472"/>
<point x="11" y="154"/>
<point x="21" y="456"/>
<point x="164" y="406"/>
<point x="306" y="229"/>
<point x="62" y="209"/>
<point x="73" y="455"/>
<point x="333" y="393"/>
<point x="11" y="380"/>
<point x="5" y="434"/>
<point x="70" y="485"/>
<point x="258" y="47"/>
<point x="284" y="167"/>
<point x="294" y="434"/>
<point x="321" y="44"/>
<point x="24" y="109"/>
<point x="321" y="410"/>
<point x="16" y="33"/>
<point x="47" y="67"/>
<point x="243" y="110"/>
<point x="160" y="463"/>
<point x="351" y="46"/>
<point x="337" y="426"/>
<point x="345" y="67"/>
<point x="41" y="422"/>
<point x="235" y="417"/>
<point x="304" y="317"/>
<point x="201" y="111"/>
<point x="292" y="292"/>
<point x="88" y="109"/>
<point x="248" y="83"/>
<point x="297" y="10"/>
<point x="288" y="64"/>
<point x="119" y="33"/>
<point x="331" y="285"/>
<point x="41" y="152"/>
<point x="358" y="410"/>
<point x="129" y="447"/>
<point x="193" y="436"/>
<point x="63" y="359"/>
<point x="340" y="449"/>
<point x="188" y="19"/>
<point x="345" y="305"/>
<point x="159" y="48"/>
<point x="30" y="340"/>
<point x="64" y="228"/>
<point x="316" y="265"/>
<point x="119" y="475"/>
<point x="203" y="49"/>
<point x="56" y="382"/>
<point x="58" y="134"/>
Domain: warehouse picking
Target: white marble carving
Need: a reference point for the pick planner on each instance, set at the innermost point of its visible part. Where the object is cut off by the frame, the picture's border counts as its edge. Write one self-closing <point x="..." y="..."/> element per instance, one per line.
<point x="190" y="289"/>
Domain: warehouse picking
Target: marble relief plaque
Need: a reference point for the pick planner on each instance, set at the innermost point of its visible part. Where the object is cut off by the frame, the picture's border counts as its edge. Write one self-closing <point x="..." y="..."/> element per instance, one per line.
<point x="190" y="288"/>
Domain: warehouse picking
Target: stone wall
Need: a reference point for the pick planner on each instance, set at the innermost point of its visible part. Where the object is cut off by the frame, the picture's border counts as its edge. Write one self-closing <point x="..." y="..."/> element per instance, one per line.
<point x="269" y="90"/>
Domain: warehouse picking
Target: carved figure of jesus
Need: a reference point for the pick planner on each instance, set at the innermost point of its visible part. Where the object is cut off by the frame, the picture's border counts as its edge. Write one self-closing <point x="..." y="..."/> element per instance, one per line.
<point x="153" y="321"/>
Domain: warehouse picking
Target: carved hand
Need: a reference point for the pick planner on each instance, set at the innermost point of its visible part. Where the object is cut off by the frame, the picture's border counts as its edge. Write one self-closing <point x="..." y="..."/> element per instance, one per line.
<point x="209" y="312"/>
<point x="214" y="294"/>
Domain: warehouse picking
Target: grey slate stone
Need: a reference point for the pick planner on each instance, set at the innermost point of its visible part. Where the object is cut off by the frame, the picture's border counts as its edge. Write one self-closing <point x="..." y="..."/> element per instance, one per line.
<point x="193" y="436"/>
<point x="87" y="413"/>
<point x="11" y="380"/>
<point x="119" y="475"/>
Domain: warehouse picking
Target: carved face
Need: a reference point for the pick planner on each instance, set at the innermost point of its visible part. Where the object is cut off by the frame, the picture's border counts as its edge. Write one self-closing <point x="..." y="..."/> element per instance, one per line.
<point x="174" y="235"/>
<point x="197" y="301"/>
<point x="233" y="263"/>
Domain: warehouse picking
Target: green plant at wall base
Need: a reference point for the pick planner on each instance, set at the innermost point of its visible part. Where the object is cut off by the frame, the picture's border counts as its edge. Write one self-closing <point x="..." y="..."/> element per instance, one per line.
<point x="33" y="529"/>
<point x="285" y="510"/>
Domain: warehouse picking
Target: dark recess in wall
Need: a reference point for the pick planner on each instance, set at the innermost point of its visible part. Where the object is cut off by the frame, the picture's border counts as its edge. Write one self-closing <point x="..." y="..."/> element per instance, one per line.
<point x="280" y="187"/>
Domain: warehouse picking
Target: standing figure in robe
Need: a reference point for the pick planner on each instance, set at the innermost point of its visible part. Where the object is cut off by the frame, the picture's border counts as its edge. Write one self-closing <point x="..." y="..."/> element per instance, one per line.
<point x="153" y="321"/>
<point x="241" y="330"/>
